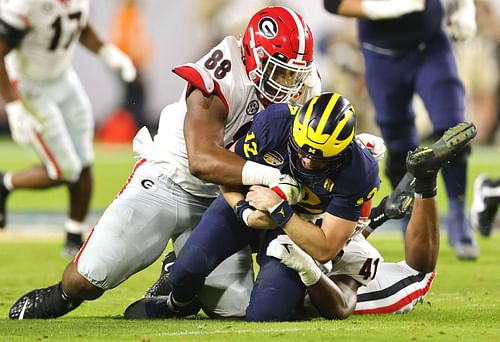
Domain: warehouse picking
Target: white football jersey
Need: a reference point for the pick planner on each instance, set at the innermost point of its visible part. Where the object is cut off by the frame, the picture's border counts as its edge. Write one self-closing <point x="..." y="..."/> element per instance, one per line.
<point x="52" y="28"/>
<point x="221" y="69"/>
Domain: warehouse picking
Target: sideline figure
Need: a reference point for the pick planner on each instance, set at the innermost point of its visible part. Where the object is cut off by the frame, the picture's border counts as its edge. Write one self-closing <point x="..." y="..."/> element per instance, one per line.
<point x="46" y="105"/>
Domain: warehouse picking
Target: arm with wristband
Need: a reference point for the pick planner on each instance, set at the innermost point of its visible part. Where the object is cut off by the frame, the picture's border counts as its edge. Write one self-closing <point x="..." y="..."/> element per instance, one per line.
<point x="323" y="243"/>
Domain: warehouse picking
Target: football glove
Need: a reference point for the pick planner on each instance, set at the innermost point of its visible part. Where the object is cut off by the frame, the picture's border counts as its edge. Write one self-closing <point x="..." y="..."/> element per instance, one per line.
<point x="293" y="257"/>
<point x="372" y="143"/>
<point x="462" y="20"/>
<point x="22" y="124"/>
<point x="288" y="189"/>
<point x="116" y="60"/>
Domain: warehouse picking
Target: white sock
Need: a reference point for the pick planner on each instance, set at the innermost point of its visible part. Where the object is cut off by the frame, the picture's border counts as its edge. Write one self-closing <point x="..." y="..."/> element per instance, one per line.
<point x="7" y="181"/>
<point x="75" y="227"/>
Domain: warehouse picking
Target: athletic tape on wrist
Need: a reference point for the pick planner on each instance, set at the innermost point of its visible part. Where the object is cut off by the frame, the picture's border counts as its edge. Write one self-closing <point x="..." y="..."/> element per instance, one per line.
<point x="255" y="173"/>
<point x="282" y="213"/>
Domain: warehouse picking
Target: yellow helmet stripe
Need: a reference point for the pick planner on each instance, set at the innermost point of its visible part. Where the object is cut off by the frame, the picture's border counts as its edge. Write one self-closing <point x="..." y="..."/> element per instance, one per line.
<point x="339" y="145"/>
<point x="328" y="111"/>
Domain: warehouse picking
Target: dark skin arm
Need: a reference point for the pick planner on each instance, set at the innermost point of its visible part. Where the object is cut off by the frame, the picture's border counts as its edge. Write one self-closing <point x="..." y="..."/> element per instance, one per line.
<point x="204" y="135"/>
<point x="90" y="40"/>
<point x="5" y="87"/>
<point x="334" y="297"/>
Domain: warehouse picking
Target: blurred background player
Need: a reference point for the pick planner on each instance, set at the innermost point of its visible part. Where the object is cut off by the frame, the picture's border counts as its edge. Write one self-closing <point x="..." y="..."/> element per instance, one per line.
<point x="485" y="203"/>
<point x="406" y="51"/>
<point x="46" y="105"/>
<point x="129" y="33"/>
<point x="176" y="177"/>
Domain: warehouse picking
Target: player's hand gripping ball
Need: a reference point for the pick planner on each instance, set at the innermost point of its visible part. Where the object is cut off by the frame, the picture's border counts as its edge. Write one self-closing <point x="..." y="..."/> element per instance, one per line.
<point x="288" y="189"/>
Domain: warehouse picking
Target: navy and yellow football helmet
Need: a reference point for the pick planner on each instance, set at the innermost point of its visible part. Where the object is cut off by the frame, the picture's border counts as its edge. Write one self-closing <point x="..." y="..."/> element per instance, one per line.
<point x="323" y="132"/>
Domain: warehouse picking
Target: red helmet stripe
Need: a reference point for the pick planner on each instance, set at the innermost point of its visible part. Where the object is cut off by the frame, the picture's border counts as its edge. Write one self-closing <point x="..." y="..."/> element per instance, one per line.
<point x="302" y="33"/>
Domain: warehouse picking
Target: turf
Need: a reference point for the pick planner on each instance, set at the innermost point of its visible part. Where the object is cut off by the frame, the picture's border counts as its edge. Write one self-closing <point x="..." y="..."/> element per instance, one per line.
<point x="114" y="163"/>
<point x="463" y="304"/>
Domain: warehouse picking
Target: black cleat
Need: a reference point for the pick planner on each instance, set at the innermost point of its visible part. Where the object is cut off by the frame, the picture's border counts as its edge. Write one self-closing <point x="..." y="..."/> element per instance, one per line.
<point x="400" y="202"/>
<point x="161" y="287"/>
<point x="484" y="205"/>
<point x="4" y="193"/>
<point x="425" y="162"/>
<point x="49" y="302"/>
<point x="158" y="307"/>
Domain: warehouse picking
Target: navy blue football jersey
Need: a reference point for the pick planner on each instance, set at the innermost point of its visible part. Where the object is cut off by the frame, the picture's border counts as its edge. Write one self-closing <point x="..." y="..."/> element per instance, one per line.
<point x="340" y="194"/>
<point x="406" y="32"/>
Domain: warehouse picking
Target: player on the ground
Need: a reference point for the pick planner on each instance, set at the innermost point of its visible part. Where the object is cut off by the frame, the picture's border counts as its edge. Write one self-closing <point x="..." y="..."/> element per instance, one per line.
<point x="397" y="287"/>
<point x="175" y="179"/>
<point x="337" y="176"/>
<point x="46" y="105"/>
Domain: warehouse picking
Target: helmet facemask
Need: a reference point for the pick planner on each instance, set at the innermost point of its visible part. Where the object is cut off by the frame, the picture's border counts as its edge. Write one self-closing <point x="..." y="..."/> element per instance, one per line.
<point x="277" y="81"/>
<point x="329" y="166"/>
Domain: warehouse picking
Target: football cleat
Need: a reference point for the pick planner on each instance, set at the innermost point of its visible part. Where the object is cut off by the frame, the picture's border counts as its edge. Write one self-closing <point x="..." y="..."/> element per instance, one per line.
<point x="425" y="162"/>
<point x="466" y="251"/>
<point x="158" y="307"/>
<point x="4" y="193"/>
<point x="484" y="205"/>
<point x="400" y="202"/>
<point x="49" y="302"/>
<point x="161" y="287"/>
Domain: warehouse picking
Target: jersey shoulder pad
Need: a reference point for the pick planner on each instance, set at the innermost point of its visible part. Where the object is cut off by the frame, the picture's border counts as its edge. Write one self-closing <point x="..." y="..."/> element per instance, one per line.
<point x="197" y="76"/>
<point x="362" y="169"/>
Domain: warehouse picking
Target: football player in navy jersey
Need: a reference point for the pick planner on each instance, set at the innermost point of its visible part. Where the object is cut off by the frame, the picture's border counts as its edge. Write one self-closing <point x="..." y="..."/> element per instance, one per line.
<point x="337" y="291"/>
<point x="316" y="144"/>
<point x="407" y="51"/>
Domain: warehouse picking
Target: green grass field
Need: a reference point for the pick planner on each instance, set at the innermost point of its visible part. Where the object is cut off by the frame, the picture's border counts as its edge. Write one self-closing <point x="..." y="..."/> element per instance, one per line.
<point x="464" y="303"/>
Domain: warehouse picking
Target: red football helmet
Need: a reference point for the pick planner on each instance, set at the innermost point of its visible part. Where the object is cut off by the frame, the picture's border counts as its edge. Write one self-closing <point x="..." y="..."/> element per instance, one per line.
<point x="278" y="51"/>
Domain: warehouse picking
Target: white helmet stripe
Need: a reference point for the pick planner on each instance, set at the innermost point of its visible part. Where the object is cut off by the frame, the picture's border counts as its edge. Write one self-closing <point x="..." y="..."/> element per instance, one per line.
<point x="302" y="34"/>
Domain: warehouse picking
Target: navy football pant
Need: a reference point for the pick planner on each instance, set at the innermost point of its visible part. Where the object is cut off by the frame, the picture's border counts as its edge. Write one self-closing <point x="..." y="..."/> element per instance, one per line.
<point x="219" y="234"/>
<point x="432" y="73"/>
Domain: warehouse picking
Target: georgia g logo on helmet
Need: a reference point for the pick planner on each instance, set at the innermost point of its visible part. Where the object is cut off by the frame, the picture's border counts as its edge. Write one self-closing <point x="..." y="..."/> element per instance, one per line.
<point x="268" y="27"/>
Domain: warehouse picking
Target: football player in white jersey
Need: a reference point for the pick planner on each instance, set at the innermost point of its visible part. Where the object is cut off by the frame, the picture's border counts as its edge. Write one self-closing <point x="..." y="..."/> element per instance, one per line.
<point x="174" y="180"/>
<point x="46" y="105"/>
